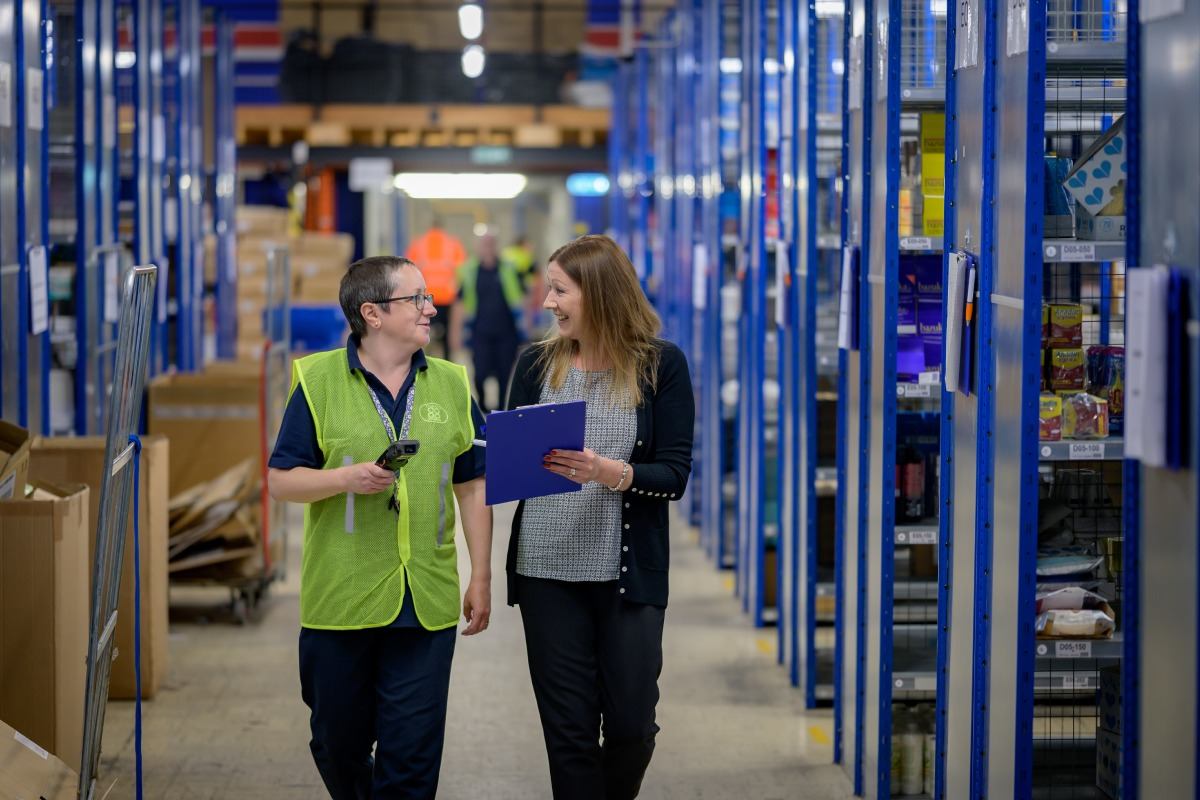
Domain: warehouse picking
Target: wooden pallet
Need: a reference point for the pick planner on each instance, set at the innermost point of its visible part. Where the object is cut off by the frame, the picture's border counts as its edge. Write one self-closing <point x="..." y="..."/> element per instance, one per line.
<point x="423" y="126"/>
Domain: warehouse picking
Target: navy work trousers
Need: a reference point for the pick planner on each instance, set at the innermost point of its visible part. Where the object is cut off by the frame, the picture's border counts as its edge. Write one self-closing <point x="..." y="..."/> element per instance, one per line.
<point x="595" y="661"/>
<point x="377" y="685"/>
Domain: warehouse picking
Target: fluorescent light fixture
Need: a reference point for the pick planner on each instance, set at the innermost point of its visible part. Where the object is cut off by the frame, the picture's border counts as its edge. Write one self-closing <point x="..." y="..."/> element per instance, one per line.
<point x="771" y="66"/>
<point x="473" y="59"/>
<point x="125" y="59"/>
<point x="829" y="9"/>
<point x="837" y="66"/>
<point x="731" y="66"/>
<point x="460" y="185"/>
<point x="481" y="229"/>
<point x="470" y="21"/>
<point x="587" y="184"/>
<point x="938" y="8"/>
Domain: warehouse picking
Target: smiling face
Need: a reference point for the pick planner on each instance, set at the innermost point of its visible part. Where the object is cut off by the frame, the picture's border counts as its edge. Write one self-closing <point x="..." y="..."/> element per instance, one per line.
<point x="400" y="320"/>
<point x="564" y="299"/>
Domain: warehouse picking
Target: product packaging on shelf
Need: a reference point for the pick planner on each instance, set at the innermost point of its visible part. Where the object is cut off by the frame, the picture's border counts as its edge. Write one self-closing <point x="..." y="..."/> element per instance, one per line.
<point x="1068" y="369"/>
<point x="1063" y="325"/>
<point x="1085" y="416"/>
<point x="1106" y="379"/>
<point x="1050" y="414"/>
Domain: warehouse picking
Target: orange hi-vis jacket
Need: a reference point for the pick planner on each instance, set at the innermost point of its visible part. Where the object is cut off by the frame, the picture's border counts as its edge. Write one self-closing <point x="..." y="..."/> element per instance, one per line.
<point x="438" y="255"/>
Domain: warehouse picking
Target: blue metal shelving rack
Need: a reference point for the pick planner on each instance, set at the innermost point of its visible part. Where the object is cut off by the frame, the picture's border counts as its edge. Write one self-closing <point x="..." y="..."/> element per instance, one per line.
<point x="224" y="186"/>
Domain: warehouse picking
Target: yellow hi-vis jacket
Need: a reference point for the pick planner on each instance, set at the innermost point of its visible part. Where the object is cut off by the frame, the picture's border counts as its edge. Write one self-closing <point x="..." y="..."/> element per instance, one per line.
<point x="360" y="556"/>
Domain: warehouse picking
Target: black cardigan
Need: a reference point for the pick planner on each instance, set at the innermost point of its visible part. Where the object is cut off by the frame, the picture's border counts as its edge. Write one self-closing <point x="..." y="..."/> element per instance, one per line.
<point x="661" y="460"/>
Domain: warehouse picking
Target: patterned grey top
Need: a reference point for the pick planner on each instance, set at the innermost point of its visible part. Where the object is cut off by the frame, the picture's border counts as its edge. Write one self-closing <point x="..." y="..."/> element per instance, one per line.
<point x="576" y="536"/>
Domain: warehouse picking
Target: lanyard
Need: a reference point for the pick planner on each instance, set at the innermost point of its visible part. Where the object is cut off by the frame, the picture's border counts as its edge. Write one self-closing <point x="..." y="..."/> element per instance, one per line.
<point x="386" y="420"/>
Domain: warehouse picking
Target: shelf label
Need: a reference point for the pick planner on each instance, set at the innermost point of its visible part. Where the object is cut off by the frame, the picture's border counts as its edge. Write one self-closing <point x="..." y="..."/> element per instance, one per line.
<point x="1086" y="451"/>
<point x="1018" y="27"/>
<point x="932" y="378"/>
<point x="1073" y="650"/>
<point x="915" y="390"/>
<point x="917" y="536"/>
<point x="1080" y="682"/>
<point x="6" y="94"/>
<point x="1078" y="252"/>
<point x="916" y="243"/>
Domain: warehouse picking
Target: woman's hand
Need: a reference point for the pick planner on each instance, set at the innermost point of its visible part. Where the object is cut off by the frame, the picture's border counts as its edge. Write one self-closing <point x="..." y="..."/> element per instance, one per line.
<point x="366" y="478"/>
<point x="580" y="466"/>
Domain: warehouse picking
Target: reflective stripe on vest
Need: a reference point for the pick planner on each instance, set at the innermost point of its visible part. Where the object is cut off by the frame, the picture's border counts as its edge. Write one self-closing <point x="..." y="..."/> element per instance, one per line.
<point x="356" y="578"/>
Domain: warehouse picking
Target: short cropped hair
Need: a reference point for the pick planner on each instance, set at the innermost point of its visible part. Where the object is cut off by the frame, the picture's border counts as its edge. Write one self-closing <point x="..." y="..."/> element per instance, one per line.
<point x="368" y="280"/>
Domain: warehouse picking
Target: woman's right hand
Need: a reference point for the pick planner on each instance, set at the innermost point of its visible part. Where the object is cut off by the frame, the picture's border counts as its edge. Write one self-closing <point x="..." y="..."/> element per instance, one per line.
<point x="366" y="478"/>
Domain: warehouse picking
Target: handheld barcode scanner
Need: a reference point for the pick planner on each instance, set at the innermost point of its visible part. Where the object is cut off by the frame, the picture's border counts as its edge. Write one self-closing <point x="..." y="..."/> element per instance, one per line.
<point x="398" y="454"/>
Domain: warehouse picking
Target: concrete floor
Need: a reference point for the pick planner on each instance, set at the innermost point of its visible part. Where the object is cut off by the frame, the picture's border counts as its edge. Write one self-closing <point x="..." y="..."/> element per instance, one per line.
<point x="229" y="722"/>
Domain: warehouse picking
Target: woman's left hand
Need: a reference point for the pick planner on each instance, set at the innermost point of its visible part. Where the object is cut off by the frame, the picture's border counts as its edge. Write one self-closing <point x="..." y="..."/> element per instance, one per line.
<point x="580" y="466"/>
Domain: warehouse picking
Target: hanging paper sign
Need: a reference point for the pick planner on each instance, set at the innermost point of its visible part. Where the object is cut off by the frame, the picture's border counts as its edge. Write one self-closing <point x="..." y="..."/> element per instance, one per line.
<point x="967" y="44"/>
<point x="855" y="100"/>
<point x="881" y="51"/>
<point x="6" y="95"/>
<point x="1018" y="27"/>
<point x="35" y="105"/>
<point x="112" y="287"/>
<point x="39" y="291"/>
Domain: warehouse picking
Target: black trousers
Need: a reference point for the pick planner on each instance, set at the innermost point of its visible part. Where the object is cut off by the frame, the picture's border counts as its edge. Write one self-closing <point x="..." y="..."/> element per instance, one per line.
<point x="379" y="686"/>
<point x="494" y="355"/>
<point x="595" y="662"/>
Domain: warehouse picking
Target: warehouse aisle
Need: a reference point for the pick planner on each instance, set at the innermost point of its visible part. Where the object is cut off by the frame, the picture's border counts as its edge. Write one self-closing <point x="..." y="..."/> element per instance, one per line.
<point x="230" y="723"/>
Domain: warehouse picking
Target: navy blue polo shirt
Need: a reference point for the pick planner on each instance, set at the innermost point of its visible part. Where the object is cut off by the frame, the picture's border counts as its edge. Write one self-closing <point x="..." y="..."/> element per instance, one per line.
<point x="297" y="446"/>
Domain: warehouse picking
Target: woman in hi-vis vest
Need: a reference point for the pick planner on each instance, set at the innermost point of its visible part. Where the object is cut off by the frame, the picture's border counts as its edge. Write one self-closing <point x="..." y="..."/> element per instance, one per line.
<point x="377" y="440"/>
<point x="589" y="568"/>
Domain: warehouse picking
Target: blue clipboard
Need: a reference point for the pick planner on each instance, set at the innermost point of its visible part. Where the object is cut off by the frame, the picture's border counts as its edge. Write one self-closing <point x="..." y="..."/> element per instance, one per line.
<point x="517" y="440"/>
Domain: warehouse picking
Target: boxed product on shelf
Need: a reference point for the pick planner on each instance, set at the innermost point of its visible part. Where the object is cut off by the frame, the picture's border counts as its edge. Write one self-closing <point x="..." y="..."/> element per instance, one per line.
<point x="910" y="358"/>
<point x="1050" y="417"/>
<point x="44" y="617"/>
<point x="1100" y="227"/>
<point x="1062" y="325"/>
<point x="1106" y="379"/>
<point x="929" y="278"/>
<point x="1057" y="220"/>
<point x="14" y="459"/>
<point x="1108" y="763"/>
<point x="1099" y="174"/>
<point x="261" y="221"/>
<point x="1108" y="699"/>
<point x="1085" y="416"/>
<point x="1068" y="369"/>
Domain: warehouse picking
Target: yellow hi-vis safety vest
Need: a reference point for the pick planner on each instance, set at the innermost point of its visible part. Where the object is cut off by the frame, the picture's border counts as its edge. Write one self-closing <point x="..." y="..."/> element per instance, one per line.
<point x="359" y="554"/>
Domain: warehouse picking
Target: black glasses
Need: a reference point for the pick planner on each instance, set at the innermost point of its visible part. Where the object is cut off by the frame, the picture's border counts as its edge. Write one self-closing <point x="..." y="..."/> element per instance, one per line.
<point x="418" y="300"/>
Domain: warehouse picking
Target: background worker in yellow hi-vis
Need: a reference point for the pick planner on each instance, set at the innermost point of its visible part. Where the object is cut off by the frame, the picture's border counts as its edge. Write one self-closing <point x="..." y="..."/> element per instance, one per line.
<point x="379" y="593"/>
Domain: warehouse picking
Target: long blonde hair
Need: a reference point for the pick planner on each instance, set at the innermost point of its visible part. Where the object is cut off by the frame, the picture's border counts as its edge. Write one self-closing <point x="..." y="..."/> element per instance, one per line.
<point x="616" y="314"/>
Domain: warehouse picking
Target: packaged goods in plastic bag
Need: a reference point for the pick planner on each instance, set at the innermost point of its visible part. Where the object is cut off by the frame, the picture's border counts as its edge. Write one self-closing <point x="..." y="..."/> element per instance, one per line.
<point x="1072" y="598"/>
<point x="1085" y="624"/>
<point x="1085" y="416"/>
<point x="1067" y="561"/>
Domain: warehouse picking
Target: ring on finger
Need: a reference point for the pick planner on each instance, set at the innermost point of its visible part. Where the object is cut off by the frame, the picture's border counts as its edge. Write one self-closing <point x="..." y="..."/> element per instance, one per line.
<point x="572" y="472"/>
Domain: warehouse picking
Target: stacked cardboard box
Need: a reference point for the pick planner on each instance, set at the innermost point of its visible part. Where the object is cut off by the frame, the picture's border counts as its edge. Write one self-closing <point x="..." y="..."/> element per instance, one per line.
<point x="14" y="460"/>
<point x="318" y="263"/>
<point x="81" y="460"/>
<point x="44" y="602"/>
<point x="29" y="770"/>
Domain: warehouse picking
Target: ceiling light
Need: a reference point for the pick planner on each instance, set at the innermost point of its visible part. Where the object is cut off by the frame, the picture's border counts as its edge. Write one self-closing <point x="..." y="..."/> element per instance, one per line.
<point x="830" y="9"/>
<point x="473" y="59"/>
<point x="731" y="66"/>
<point x="125" y="59"/>
<point x="587" y="184"/>
<point x="461" y="186"/>
<point x="470" y="21"/>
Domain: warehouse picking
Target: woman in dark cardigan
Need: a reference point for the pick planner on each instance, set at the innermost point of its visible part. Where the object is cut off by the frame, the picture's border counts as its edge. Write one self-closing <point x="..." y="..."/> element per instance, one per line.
<point x="589" y="568"/>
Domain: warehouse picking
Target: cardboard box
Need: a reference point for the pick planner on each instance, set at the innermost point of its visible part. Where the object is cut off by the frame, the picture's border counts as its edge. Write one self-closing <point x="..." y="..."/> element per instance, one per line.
<point x="933" y="154"/>
<point x="1099" y="174"/>
<point x="210" y="417"/>
<point x="1108" y="763"/>
<point x="29" y="771"/>
<point x="1104" y="228"/>
<point x="14" y="460"/>
<point x="333" y="249"/>
<point x="261" y="221"/>
<point x="44" y="617"/>
<point x="81" y="460"/>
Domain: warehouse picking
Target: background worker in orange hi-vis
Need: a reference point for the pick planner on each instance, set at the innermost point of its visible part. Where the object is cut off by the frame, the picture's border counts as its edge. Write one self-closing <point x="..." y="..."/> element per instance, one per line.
<point x="438" y="255"/>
